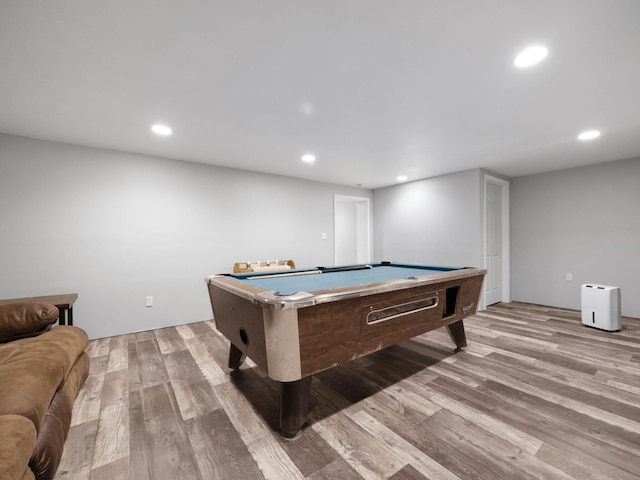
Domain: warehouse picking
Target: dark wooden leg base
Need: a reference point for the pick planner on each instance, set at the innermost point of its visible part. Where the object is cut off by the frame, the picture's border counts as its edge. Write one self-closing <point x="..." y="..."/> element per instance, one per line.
<point x="294" y="406"/>
<point x="456" y="332"/>
<point x="236" y="357"/>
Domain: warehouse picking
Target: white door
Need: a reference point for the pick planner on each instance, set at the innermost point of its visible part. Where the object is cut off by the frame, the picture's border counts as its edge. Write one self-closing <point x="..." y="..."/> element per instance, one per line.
<point x="351" y="230"/>
<point x="493" y="247"/>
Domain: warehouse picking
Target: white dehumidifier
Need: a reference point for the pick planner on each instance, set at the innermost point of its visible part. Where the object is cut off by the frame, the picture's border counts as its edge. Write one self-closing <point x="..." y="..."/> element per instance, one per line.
<point x="601" y="307"/>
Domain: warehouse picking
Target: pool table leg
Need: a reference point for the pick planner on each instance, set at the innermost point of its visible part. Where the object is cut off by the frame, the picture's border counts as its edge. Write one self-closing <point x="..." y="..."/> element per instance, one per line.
<point x="236" y="357"/>
<point x="456" y="332"/>
<point x="294" y="406"/>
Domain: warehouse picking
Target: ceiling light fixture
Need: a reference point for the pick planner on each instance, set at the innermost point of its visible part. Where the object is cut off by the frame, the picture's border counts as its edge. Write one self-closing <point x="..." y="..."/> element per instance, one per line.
<point x="308" y="158"/>
<point x="530" y="56"/>
<point x="402" y="178"/>
<point x="161" y="130"/>
<point x="589" y="135"/>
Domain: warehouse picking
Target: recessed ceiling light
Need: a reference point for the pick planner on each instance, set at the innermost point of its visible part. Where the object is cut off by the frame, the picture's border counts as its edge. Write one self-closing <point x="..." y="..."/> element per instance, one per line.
<point x="307" y="109"/>
<point x="530" y="56"/>
<point x="402" y="178"/>
<point x="589" y="135"/>
<point x="161" y="130"/>
<point x="308" y="158"/>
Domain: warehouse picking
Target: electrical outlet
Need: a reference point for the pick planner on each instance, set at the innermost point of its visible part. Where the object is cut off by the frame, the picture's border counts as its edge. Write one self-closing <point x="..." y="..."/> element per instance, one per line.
<point x="569" y="277"/>
<point x="149" y="302"/>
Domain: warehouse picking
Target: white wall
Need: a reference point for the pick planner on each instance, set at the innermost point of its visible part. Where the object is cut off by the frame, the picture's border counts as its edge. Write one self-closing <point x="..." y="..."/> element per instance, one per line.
<point x="116" y="227"/>
<point x="436" y="221"/>
<point x="582" y="221"/>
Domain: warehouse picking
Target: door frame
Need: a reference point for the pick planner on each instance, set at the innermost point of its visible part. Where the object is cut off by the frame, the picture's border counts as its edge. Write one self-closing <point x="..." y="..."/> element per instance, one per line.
<point x="366" y="221"/>
<point x="506" y="238"/>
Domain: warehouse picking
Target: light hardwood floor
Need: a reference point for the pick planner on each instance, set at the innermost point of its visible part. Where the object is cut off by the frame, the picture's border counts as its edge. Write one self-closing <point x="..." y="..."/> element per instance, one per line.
<point x="534" y="395"/>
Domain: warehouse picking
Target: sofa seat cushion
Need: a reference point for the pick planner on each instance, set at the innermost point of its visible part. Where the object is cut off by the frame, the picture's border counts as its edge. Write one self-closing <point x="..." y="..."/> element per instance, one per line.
<point x="18" y="436"/>
<point x="32" y="370"/>
<point x="19" y="320"/>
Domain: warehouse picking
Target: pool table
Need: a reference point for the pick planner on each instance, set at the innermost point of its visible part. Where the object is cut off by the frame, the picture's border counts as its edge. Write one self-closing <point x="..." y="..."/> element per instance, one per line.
<point x="295" y="323"/>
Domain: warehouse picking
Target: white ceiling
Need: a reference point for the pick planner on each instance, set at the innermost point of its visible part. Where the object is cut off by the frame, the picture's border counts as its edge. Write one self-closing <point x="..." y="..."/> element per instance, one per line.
<point x="375" y="88"/>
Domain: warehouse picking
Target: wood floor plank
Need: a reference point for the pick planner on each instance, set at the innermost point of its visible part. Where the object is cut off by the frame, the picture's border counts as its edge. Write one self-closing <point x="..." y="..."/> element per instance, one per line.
<point x="150" y="364"/>
<point x="325" y="402"/>
<point x="309" y="452"/>
<point x="118" y="358"/>
<point x="99" y="347"/>
<point x="409" y="473"/>
<point x="219" y="449"/>
<point x="209" y="367"/>
<point x="581" y="465"/>
<point x="453" y="455"/>
<point x="470" y="457"/>
<point x="194" y="399"/>
<point x="180" y="365"/>
<point x="115" y="388"/>
<point x="99" y="365"/>
<point x="339" y="468"/>
<point x="403" y="449"/>
<point x="169" y="340"/>
<point x="490" y="424"/>
<point x="367" y="455"/>
<point x="399" y="408"/>
<point x="496" y="450"/>
<point x="78" y="452"/>
<point x="185" y="331"/>
<point x="117" y="469"/>
<point x="202" y="328"/>
<point x="140" y="460"/>
<point x="87" y="405"/>
<point x="112" y="438"/>
<point x="169" y="452"/>
<point x="134" y="365"/>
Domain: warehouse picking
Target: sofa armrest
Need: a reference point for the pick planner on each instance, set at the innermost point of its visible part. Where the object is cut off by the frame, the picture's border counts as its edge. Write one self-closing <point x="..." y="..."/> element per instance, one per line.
<point x="26" y="319"/>
<point x="18" y="439"/>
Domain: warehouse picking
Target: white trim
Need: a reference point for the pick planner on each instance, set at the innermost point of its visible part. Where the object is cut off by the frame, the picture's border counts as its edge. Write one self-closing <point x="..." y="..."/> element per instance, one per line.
<point x="506" y="238"/>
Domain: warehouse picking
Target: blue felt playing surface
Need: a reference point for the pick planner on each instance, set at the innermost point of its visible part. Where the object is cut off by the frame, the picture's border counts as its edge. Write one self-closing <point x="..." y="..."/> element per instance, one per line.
<point x="288" y="285"/>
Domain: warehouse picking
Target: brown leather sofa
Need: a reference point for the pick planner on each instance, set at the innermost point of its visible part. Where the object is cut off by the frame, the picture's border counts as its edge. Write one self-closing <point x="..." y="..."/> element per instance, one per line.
<point x="42" y="369"/>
